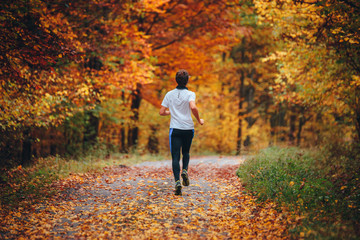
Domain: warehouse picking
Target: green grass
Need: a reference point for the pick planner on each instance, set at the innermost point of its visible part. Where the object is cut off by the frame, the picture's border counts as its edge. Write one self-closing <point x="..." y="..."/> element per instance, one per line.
<point x="303" y="181"/>
<point x="26" y="185"/>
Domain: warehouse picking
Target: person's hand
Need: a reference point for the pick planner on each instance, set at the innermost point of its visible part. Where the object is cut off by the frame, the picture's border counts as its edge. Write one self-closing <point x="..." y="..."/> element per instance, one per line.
<point x="201" y="121"/>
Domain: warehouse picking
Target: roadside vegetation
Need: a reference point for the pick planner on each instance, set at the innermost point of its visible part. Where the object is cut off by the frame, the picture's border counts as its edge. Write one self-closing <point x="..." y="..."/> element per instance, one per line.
<point x="320" y="187"/>
<point x="22" y="186"/>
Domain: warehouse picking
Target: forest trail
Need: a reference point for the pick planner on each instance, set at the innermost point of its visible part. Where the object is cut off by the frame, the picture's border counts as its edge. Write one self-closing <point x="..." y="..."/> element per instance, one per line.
<point x="138" y="202"/>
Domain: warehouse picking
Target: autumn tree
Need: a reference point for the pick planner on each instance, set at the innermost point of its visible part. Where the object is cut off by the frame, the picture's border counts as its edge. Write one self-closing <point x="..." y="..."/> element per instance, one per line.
<point x="186" y="34"/>
<point x="63" y="57"/>
<point x="319" y="62"/>
<point x="30" y="50"/>
<point x="183" y="34"/>
<point x="254" y="76"/>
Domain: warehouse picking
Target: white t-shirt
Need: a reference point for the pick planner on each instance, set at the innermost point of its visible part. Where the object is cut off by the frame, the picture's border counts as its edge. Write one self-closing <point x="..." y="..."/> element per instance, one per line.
<point x="177" y="101"/>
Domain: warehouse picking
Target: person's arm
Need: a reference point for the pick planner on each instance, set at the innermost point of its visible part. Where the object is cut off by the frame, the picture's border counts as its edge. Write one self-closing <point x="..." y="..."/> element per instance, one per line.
<point x="163" y="111"/>
<point x="195" y="112"/>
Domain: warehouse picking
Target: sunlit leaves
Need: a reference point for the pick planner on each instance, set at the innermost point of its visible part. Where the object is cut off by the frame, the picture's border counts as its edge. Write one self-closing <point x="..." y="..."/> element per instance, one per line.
<point x="319" y="53"/>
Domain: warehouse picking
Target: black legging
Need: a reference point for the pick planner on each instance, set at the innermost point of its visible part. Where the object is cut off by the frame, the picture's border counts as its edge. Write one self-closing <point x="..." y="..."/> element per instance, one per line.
<point x="180" y="139"/>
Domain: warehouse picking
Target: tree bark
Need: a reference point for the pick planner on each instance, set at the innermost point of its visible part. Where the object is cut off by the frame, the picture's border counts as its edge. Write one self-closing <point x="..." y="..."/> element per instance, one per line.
<point x="123" y="147"/>
<point x="240" y="112"/>
<point x="53" y="145"/>
<point x="301" y="124"/>
<point x="26" y="148"/>
<point x="249" y="98"/>
<point x="357" y="124"/>
<point x="357" y="113"/>
<point x="153" y="141"/>
<point x="292" y="127"/>
<point x="133" y="131"/>
<point x="220" y="146"/>
<point x="91" y="130"/>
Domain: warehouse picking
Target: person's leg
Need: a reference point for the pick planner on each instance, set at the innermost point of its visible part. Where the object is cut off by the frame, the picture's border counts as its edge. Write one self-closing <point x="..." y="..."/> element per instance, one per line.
<point x="187" y="140"/>
<point x="186" y="144"/>
<point x="175" y="145"/>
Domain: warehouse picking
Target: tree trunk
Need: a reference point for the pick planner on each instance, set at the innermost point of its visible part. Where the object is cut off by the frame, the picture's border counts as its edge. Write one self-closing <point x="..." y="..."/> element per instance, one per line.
<point x="26" y="148"/>
<point x="249" y="98"/>
<point x="357" y="113"/>
<point x="357" y="124"/>
<point x="123" y="147"/>
<point x="52" y="144"/>
<point x="292" y="127"/>
<point x="153" y="141"/>
<point x="220" y="146"/>
<point x="134" y="130"/>
<point x="122" y="138"/>
<point x="301" y="124"/>
<point x="91" y="130"/>
<point x="240" y="112"/>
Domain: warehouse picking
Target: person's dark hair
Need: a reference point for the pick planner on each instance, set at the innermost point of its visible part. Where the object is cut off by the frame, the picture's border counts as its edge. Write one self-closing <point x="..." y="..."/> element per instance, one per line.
<point x="182" y="77"/>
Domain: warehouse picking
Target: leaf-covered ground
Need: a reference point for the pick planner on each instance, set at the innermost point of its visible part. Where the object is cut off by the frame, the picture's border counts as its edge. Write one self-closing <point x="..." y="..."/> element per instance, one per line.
<point x="138" y="203"/>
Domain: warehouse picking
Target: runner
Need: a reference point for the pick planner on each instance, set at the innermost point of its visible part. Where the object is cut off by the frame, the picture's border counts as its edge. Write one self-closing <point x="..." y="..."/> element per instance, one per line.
<point x="179" y="103"/>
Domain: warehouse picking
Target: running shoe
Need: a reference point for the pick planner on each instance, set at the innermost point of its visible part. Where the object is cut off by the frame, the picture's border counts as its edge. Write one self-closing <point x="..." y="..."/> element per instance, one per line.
<point x="178" y="188"/>
<point x="185" y="178"/>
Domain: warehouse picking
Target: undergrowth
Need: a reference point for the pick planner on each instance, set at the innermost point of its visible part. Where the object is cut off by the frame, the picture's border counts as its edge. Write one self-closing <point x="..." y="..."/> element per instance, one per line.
<point x="321" y="187"/>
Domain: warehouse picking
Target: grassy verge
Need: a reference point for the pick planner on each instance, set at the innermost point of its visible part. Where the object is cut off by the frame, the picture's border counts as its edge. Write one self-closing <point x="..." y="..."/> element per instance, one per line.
<point x="323" y="188"/>
<point x="25" y="185"/>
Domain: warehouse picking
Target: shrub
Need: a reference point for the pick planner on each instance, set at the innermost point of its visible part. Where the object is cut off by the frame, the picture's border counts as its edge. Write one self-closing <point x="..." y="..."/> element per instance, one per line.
<point x="319" y="185"/>
<point x="286" y="176"/>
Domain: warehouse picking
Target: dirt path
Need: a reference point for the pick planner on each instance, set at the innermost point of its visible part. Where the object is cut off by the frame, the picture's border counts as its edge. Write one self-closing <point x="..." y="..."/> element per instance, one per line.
<point x="138" y="203"/>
